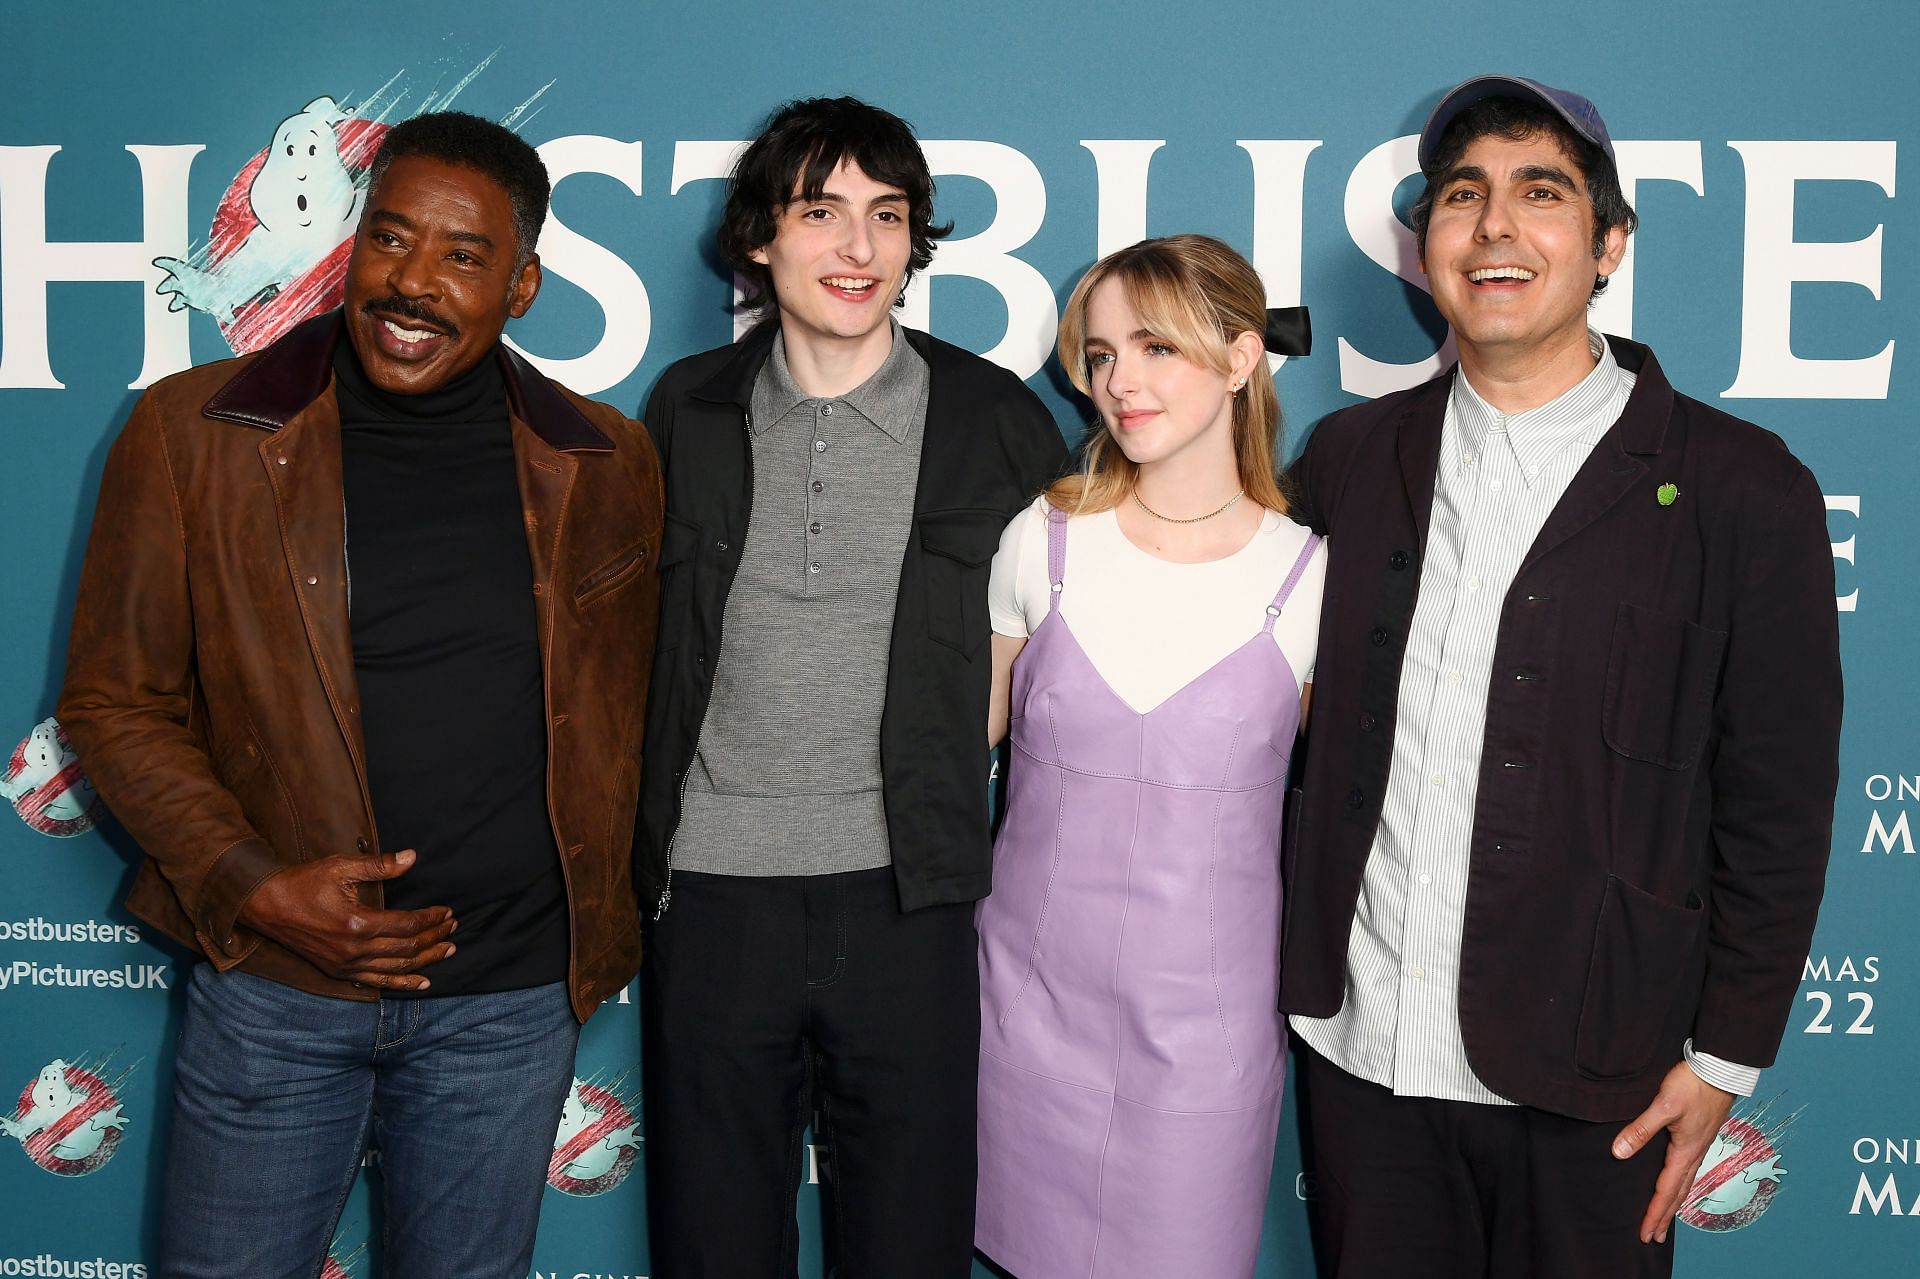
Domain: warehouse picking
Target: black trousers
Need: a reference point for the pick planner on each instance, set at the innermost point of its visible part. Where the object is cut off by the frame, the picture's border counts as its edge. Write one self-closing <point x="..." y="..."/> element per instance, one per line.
<point x="770" y="1000"/>
<point x="1416" y="1188"/>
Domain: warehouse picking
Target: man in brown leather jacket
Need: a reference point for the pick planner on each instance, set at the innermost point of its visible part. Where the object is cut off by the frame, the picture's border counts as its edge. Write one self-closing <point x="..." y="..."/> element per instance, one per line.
<point x="360" y="659"/>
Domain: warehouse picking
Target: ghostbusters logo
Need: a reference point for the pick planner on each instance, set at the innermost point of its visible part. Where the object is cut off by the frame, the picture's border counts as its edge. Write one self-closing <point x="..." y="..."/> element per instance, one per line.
<point x="1739" y="1175"/>
<point x="68" y="1120"/>
<point x="597" y="1144"/>
<point x="277" y="253"/>
<point x="44" y="783"/>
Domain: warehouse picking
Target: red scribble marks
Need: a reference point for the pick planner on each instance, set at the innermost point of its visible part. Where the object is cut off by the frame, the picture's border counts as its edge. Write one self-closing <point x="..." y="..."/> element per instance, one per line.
<point x="33" y="805"/>
<point x="1753" y="1147"/>
<point x="613" y="1116"/>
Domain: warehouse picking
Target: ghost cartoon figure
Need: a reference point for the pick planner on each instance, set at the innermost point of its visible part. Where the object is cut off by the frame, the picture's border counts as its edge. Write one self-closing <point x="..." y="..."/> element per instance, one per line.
<point x="54" y="1097"/>
<point x="598" y="1159"/>
<point x="306" y="204"/>
<point x="43" y="781"/>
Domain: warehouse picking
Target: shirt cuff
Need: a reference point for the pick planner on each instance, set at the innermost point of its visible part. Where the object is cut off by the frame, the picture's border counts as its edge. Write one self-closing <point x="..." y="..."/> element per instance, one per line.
<point x="1727" y="1076"/>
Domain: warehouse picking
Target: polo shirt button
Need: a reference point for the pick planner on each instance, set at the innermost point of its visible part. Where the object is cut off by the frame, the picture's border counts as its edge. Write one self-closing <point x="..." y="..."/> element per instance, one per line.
<point x="814" y="527"/>
<point x="1367" y="722"/>
<point x="1356" y="799"/>
<point x="1398" y="560"/>
<point x="1379" y="637"/>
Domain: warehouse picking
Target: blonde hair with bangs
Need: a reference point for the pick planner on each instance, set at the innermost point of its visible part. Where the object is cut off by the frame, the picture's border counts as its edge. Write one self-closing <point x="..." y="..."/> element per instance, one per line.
<point x="1198" y="295"/>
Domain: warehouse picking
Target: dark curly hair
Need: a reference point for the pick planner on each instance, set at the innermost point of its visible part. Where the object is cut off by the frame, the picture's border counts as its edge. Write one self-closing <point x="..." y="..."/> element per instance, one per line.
<point x="488" y="148"/>
<point x="1516" y="119"/>
<point x="798" y="150"/>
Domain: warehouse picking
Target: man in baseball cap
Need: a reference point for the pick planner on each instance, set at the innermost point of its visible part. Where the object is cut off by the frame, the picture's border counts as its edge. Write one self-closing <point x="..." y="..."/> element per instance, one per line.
<point x="1576" y="720"/>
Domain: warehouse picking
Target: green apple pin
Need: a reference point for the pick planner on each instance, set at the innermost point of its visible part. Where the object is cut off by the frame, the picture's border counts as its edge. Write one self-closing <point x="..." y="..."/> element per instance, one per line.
<point x="1665" y="494"/>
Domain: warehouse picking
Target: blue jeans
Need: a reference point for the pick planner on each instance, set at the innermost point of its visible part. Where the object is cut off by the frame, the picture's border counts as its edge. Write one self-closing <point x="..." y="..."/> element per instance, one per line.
<point x="277" y="1092"/>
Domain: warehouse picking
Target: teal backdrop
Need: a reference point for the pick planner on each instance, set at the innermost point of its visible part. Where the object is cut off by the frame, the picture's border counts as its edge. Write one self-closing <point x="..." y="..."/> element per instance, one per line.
<point x="1769" y="147"/>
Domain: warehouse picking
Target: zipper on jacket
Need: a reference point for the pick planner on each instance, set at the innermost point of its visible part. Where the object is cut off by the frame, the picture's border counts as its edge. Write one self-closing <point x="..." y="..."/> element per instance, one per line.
<point x="713" y="668"/>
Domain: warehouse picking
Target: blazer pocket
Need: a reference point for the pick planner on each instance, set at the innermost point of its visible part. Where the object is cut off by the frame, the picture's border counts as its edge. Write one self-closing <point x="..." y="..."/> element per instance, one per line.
<point x="956" y="554"/>
<point x="620" y="569"/>
<point x="679" y="542"/>
<point x="1640" y="950"/>
<point x="1661" y="676"/>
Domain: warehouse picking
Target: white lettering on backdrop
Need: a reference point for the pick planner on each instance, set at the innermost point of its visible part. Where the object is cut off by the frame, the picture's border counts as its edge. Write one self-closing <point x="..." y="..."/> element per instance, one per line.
<point x="1773" y="260"/>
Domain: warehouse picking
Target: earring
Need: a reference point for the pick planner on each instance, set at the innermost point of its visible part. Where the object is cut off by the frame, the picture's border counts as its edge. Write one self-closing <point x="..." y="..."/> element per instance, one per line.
<point x="1238" y="383"/>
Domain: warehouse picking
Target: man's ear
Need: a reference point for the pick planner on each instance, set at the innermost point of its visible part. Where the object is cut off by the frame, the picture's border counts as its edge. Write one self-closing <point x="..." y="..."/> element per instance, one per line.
<point x="1616" y="249"/>
<point x="526" y="287"/>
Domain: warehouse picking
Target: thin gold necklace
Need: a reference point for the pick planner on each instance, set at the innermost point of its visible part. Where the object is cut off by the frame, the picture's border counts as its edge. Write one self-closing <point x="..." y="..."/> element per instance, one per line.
<point x="1220" y="510"/>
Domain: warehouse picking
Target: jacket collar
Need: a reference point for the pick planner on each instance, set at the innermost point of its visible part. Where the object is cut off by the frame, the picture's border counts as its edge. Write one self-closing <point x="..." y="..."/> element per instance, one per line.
<point x="1643" y="423"/>
<point x="297" y="370"/>
<point x="1601" y="480"/>
<point x="732" y="382"/>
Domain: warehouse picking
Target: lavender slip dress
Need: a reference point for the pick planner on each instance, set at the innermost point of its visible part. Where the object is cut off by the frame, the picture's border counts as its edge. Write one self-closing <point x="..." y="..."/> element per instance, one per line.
<point x="1131" y="1054"/>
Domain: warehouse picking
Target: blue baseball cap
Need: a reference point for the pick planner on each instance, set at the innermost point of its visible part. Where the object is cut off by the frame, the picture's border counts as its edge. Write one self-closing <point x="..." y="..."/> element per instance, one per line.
<point x="1580" y="114"/>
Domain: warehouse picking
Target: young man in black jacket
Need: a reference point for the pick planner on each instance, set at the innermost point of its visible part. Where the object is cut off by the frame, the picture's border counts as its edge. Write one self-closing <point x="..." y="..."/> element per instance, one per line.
<point x="813" y="816"/>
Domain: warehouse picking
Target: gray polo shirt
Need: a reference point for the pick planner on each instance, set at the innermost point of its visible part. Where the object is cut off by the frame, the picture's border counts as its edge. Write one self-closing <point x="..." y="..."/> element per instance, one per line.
<point x="786" y="779"/>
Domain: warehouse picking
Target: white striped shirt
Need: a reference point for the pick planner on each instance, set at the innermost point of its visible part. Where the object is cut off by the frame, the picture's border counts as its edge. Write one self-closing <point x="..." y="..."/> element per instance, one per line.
<point x="1500" y="475"/>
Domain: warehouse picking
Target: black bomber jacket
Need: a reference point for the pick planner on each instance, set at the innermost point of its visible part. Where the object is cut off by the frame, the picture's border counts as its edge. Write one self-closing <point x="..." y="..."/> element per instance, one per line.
<point x="989" y="448"/>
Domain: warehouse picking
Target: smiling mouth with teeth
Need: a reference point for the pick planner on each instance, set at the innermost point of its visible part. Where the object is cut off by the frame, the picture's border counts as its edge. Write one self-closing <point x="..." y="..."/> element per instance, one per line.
<point x="1485" y="274"/>
<point x="410" y="335"/>
<point x="849" y="283"/>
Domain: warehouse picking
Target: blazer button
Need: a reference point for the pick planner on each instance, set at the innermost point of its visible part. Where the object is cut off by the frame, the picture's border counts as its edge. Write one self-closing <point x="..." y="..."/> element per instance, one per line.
<point x="1356" y="799"/>
<point x="1367" y="722"/>
<point x="361" y="845"/>
<point x="1379" y="637"/>
<point x="1398" y="560"/>
<point x="720" y="547"/>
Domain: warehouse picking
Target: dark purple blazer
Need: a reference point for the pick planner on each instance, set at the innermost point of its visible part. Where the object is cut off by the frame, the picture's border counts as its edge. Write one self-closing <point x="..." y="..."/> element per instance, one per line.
<point x="1655" y="800"/>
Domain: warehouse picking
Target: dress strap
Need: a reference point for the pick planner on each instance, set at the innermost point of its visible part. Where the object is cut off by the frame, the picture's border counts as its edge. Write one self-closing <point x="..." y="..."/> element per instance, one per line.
<point x="1056" y="556"/>
<point x="1293" y="579"/>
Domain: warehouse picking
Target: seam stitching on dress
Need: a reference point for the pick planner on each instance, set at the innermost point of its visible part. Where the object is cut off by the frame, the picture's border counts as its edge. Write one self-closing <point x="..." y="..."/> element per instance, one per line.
<point x="1046" y="897"/>
<point x="1213" y="937"/>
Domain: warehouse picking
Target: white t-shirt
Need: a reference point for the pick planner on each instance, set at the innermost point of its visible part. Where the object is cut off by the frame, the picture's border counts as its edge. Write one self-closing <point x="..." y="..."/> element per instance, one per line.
<point x="1148" y="625"/>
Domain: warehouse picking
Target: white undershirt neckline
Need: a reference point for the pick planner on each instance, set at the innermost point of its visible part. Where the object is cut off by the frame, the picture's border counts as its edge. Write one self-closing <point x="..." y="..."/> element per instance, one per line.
<point x="1151" y="626"/>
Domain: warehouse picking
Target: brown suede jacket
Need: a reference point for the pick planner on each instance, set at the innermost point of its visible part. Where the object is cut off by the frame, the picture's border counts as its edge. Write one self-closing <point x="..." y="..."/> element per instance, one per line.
<point x="210" y="686"/>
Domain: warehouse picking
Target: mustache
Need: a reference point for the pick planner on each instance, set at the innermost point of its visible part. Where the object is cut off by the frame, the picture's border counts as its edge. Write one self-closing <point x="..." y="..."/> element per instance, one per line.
<point x="407" y="309"/>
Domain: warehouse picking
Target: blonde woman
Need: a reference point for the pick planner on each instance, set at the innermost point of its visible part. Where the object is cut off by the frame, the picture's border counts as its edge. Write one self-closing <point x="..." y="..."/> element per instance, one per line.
<point x="1155" y="619"/>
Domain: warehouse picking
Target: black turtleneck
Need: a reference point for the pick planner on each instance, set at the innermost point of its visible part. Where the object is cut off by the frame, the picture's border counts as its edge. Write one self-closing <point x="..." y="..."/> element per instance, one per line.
<point x="447" y="654"/>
